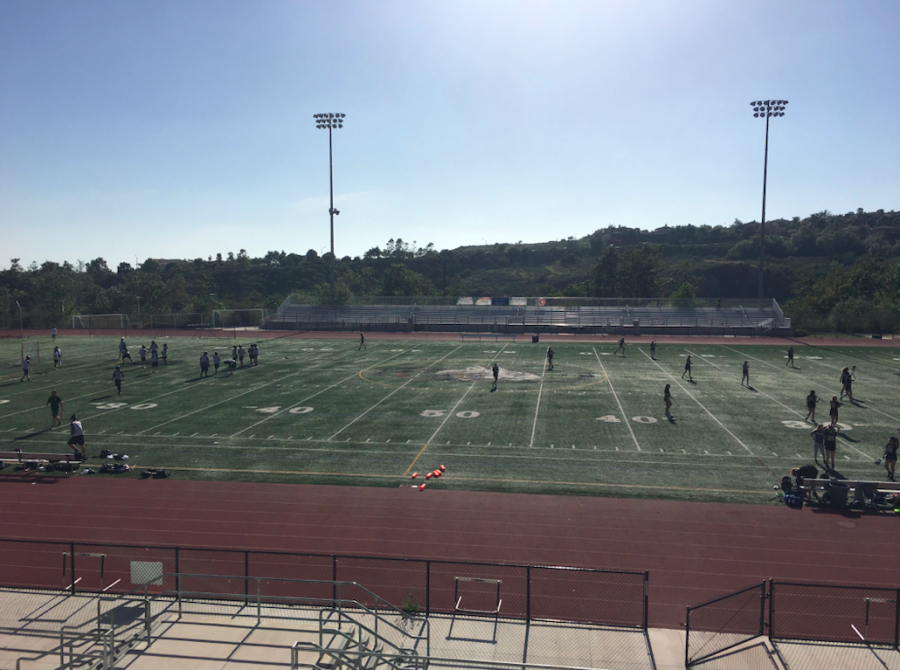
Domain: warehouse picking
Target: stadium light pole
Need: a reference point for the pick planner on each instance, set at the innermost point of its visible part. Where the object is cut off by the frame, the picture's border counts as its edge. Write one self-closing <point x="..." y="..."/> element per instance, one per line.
<point x="330" y="122"/>
<point x="765" y="109"/>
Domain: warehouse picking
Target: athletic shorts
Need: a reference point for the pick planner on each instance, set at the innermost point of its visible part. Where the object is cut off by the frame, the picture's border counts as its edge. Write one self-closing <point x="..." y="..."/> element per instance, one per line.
<point x="892" y="459"/>
<point x="155" y="363"/>
<point x="79" y="439"/>
<point x="830" y="447"/>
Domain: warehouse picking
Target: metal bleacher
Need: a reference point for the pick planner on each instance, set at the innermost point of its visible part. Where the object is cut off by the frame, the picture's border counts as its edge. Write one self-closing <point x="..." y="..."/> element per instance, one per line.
<point x="620" y="319"/>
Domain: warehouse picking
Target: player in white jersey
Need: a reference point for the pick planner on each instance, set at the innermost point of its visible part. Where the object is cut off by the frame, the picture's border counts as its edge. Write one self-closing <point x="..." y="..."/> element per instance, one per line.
<point x="57" y="357"/>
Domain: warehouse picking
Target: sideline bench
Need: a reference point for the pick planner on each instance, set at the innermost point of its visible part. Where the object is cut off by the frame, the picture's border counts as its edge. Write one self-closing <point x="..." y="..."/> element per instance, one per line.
<point x="858" y="490"/>
<point x="25" y="457"/>
<point x="495" y="336"/>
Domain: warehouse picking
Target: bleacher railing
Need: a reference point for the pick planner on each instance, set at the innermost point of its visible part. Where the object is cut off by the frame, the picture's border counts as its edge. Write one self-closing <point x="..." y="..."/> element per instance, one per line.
<point x="796" y="611"/>
<point x="606" y="597"/>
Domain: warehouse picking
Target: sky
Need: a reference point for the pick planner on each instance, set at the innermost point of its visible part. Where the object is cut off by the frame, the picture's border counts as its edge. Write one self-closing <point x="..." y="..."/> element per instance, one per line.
<point x="164" y="129"/>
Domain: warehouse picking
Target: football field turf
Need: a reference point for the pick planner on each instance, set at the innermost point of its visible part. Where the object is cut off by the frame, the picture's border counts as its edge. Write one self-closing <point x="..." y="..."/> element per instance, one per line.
<point x="319" y="411"/>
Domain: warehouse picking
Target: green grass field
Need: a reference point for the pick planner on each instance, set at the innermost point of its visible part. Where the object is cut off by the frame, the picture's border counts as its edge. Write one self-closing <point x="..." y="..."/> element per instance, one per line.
<point x="319" y="411"/>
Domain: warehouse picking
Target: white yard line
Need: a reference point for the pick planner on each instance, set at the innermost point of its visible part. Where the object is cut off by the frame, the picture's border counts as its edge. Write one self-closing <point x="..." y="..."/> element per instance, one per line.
<point x="812" y="381"/>
<point x="537" y="406"/>
<point x="310" y="397"/>
<point x="449" y="414"/>
<point x="397" y="390"/>
<point x="616" y="396"/>
<point x="775" y="400"/>
<point x="235" y="397"/>
<point x="105" y="388"/>
<point x="192" y="387"/>
<point x="712" y="416"/>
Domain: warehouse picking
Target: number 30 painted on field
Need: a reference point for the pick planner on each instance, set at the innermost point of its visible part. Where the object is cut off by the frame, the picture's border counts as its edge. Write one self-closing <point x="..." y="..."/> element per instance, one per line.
<point x="146" y="405"/>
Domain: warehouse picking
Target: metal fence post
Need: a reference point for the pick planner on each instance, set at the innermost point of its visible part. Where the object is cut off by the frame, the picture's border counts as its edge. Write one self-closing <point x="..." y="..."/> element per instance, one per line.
<point x="897" y="620"/>
<point x="771" y="609"/>
<point x="687" y="639"/>
<point x="762" y="609"/>
<point x="427" y="588"/>
<point x="333" y="577"/>
<point x="72" y="564"/>
<point x="646" y="598"/>
<point x="528" y="593"/>
<point x="246" y="577"/>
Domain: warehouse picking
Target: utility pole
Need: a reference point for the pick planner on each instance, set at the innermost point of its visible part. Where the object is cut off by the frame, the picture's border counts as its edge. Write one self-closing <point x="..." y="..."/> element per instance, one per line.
<point x="329" y="122"/>
<point x="765" y="109"/>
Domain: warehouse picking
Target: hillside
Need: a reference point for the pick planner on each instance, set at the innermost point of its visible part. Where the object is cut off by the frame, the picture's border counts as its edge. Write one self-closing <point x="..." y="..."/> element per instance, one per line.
<point x="705" y="261"/>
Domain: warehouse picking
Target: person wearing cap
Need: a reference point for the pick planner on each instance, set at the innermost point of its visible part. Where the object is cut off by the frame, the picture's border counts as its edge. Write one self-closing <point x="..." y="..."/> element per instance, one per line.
<point x="204" y="365"/>
<point x="118" y="377"/>
<point x="26" y="369"/>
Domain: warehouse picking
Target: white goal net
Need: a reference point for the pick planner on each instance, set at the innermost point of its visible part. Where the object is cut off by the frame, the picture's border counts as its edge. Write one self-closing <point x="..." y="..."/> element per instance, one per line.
<point x="32" y="349"/>
<point x="100" y="321"/>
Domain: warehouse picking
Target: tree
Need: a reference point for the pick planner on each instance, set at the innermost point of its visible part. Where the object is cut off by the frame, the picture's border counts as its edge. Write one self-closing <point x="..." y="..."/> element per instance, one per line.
<point x="606" y="274"/>
<point x="638" y="270"/>
<point x="401" y="281"/>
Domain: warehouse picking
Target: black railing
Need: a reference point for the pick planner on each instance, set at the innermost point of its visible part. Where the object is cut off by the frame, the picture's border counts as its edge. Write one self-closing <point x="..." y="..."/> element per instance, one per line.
<point x="796" y="612"/>
<point x="605" y="597"/>
<point x="721" y="624"/>
<point x="828" y="613"/>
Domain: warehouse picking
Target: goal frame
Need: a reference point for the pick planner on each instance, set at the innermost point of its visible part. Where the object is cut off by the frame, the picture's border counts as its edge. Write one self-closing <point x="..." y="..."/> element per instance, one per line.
<point x="32" y="349"/>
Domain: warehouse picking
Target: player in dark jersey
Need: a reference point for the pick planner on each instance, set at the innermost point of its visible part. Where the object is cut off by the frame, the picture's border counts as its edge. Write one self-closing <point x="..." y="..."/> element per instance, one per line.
<point x="496" y="370"/>
<point x="845" y="375"/>
<point x="890" y="457"/>
<point x="204" y="365"/>
<point x="667" y="398"/>
<point x="362" y="342"/>
<point x="833" y="410"/>
<point x="811" y="401"/>
<point x="653" y="349"/>
<point x="549" y="358"/>
<point x="687" y="369"/>
<point x="830" y="444"/>
<point x="118" y="377"/>
<point x="790" y="360"/>
<point x="745" y="374"/>
<point x="621" y="347"/>
<point x="56" y="406"/>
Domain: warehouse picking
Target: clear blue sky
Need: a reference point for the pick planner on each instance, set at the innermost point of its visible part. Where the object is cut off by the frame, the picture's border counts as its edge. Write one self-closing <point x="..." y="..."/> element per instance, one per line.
<point x="183" y="129"/>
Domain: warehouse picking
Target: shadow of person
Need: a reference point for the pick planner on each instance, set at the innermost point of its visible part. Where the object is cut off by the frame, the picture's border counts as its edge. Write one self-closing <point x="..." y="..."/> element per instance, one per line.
<point x="672" y="420"/>
<point x="30" y="435"/>
<point x="753" y="389"/>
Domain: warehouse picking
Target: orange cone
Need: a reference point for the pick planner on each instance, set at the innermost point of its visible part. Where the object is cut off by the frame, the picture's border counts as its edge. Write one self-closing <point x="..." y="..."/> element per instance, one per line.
<point x="443" y="468"/>
<point x="422" y="488"/>
<point x="437" y="473"/>
<point x="414" y="475"/>
<point x="429" y="475"/>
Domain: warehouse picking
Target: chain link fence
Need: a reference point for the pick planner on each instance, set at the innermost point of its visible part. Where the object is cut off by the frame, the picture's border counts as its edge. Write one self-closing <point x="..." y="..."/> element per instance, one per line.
<point x="502" y="591"/>
<point x="723" y="623"/>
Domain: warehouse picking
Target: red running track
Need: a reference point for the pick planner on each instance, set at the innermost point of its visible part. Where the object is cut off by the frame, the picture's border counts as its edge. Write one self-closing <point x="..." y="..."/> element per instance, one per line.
<point x="694" y="551"/>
